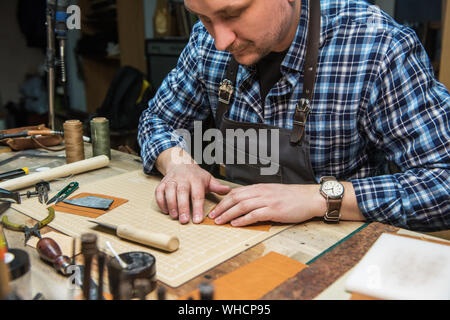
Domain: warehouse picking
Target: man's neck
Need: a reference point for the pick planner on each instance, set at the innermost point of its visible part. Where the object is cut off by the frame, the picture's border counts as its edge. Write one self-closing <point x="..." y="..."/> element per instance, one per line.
<point x="287" y="41"/>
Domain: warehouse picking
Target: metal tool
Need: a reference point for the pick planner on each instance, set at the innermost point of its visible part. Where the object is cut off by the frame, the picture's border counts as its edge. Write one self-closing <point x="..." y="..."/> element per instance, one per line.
<point x="89" y="250"/>
<point x="4" y="206"/>
<point x="161" y="293"/>
<point x="27" y="133"/>
<point x="91" y="202"/>
<point x="206" y="291"/>
<point x="157" y="240"/>
<point x="74" y="245"/>
<point x="142" y="287"/>
<point x="64" y="193"/>
<point x="27" y="230"/>
<point x="6" y="194"/>
<point x="122" y="282"/>
<point x="42" y="188"/>
<point x="14" y="173"/>
<point x="101" y="258"/>
<point x="32" y="154"/>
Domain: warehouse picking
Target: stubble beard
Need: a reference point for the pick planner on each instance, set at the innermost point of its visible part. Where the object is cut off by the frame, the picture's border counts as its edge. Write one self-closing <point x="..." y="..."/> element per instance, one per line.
<point x="272" y="38"/>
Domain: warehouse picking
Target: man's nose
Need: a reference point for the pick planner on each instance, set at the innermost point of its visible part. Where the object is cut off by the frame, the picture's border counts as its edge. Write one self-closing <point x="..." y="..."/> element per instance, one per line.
<point x="223" y="36"/>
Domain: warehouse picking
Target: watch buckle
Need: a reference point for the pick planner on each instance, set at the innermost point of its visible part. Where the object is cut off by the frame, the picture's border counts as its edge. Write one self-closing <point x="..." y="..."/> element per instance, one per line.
<point x="328" y="217"/>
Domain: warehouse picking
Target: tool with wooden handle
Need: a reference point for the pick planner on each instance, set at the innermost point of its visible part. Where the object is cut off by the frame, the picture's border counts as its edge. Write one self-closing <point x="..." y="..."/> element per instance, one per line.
<point x="29" y="133"/>
<point x="55" y="173"/>
<point x="157" y="240"/>
<point x="88" y="249"/>
<point x="50" y="251"/>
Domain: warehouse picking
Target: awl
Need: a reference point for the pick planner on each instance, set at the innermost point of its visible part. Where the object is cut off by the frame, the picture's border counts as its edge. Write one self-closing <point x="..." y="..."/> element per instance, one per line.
<point x="153" y="239"/>
<point x="29" y="133"/>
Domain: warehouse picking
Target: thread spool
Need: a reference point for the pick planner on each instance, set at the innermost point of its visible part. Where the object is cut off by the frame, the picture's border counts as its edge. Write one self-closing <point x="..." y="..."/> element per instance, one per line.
<point x="73" y="138"/>
<point x="101" y="143"/>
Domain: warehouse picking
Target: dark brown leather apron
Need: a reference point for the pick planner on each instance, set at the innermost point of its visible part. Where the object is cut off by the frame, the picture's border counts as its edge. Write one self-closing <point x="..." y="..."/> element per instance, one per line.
<point x="294" y="165"/>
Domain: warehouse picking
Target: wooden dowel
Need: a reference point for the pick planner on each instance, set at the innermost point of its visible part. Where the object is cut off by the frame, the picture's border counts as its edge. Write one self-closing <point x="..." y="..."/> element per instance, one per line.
<point x="55" y="173"/>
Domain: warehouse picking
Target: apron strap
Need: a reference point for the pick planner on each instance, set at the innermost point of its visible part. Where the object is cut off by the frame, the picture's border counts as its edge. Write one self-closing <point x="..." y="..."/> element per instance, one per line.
<point x="226" y="90"/>
<point x="302" y="109"/>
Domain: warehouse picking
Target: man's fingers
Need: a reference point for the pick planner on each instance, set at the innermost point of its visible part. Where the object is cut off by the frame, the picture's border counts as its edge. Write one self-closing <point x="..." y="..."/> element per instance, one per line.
<point x="198" y="200"/>
<point x="160" y="197"/>
<point x="232" y="198"/>
<point x="216" y="187"/>
<point x="241" y="208"/>
<point x="183" y="200"/>
<point x="170" y="192"/>
<point x="257" y="215"/>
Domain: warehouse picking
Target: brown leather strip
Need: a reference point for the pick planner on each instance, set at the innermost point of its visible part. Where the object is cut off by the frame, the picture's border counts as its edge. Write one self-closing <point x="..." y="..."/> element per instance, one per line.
<point x="328" y="268"/>
<point x="300" y="118"/>
<point x="312" y="45"/>
<point x="334" y="205"/>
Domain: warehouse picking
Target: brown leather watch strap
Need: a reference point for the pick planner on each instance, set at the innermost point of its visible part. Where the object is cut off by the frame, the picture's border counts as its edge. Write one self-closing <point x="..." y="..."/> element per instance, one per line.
<point x="333" y="210"/>
<point x="333" y="214"/>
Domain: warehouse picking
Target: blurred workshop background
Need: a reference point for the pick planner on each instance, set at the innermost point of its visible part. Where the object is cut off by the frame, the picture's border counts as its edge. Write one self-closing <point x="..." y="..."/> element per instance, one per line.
<point x="130" y="45"/>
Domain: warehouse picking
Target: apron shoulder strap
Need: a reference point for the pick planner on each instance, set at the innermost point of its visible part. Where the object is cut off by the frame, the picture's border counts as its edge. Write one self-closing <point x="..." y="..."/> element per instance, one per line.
<point x="309" y="72"/>
<point x="226" y="90"/>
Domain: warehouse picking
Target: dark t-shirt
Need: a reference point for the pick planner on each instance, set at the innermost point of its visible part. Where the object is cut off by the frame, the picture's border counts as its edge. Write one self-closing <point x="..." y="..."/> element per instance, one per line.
<point x="269" y="71"/>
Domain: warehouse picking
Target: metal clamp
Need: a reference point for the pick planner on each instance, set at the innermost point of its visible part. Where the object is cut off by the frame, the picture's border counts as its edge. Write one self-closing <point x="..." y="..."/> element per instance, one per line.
<point x="303" y="106"/>
<point x="225" y="91"/>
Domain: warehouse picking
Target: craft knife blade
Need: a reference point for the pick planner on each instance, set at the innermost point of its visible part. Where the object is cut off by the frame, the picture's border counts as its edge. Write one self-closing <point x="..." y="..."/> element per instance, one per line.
<point x="105" y="225"/>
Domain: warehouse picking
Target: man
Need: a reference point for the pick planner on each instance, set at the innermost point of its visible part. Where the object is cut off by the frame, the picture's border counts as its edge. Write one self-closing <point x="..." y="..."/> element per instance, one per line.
<point x="350" y="91"/>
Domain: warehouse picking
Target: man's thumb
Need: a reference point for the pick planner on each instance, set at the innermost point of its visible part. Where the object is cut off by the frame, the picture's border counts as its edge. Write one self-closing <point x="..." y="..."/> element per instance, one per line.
<point x="216" y="187"/>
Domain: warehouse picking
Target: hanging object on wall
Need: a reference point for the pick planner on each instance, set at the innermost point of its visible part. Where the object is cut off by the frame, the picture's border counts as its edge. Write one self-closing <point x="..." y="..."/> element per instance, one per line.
<point x="162" y="19"/>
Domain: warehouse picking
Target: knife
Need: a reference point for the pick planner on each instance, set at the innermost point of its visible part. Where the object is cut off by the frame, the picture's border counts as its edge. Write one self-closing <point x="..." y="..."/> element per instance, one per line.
<point x="153" y="239"/>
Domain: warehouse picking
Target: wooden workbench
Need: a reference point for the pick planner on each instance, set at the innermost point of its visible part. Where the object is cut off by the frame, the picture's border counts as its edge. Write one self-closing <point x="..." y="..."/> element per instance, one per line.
<point x="329" y="250"/>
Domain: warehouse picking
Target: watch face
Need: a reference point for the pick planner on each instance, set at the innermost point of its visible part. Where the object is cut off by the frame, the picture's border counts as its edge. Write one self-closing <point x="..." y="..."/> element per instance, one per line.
<point x="333" y="189"/>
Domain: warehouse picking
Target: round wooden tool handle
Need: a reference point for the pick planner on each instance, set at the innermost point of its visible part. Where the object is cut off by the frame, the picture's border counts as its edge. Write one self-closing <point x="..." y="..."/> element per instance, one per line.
<point x="55" y="173"/>
<point x="152" y="239"/>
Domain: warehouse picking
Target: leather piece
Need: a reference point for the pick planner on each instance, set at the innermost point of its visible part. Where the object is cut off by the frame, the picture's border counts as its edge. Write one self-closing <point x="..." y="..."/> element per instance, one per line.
<point x="253" y="280"/>
<point x="330" y="266"/>
<point x="26" y="143"/>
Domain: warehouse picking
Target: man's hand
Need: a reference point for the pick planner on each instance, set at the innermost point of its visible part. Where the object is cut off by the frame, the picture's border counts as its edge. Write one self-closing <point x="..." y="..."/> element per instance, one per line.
<point x="269" y="202"/>
<point x="184" y="181"/>
<point x="283" y="203"/>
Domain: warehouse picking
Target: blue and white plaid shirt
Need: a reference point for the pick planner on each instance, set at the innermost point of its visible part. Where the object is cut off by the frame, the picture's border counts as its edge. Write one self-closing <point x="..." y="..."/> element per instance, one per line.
<point x="376" y="101"/>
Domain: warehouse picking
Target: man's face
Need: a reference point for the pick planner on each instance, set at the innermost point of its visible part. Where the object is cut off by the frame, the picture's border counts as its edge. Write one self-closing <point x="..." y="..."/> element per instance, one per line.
<point x="248" y="29"/>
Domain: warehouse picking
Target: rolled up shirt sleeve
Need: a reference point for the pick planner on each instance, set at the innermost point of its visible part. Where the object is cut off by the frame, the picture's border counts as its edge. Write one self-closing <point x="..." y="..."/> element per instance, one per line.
<point x="177" y="103"/>
<point x="408" y="119"/>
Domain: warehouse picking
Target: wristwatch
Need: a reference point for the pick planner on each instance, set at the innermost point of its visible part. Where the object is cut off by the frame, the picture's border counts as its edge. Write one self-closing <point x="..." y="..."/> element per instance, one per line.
<point x="333" y="191"/>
